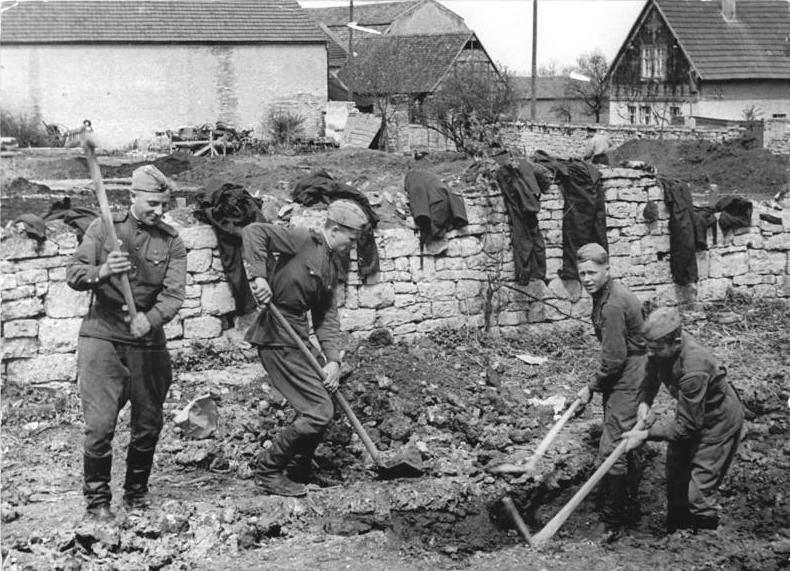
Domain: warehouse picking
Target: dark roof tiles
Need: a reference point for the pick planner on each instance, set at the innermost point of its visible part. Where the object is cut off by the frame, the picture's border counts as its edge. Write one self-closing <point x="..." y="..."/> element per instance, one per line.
<point x="415" y="63"/>
<point x="754" y="45"/>
<point x="157" y="21"/>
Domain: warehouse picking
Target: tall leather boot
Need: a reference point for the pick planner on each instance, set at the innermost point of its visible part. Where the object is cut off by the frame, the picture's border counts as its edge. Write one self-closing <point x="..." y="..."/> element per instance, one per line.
<point x="300" y="466"/>
<point x="96" y="487"/>
<point x="634" y="474"/>
<point x="271" y="463"/>
<point x="615" y="508"/>
<point x="138" y="470"/>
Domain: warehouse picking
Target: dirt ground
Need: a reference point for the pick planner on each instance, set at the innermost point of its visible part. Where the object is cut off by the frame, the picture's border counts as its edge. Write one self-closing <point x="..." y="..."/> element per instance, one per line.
<point x="460" y="399"/>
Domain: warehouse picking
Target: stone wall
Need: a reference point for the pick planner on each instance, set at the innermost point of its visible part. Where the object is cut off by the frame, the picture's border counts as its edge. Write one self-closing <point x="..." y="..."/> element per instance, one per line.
<point x="566" y="140"/>
<point x="464" y="279"/>
<point x="777" y="137"/>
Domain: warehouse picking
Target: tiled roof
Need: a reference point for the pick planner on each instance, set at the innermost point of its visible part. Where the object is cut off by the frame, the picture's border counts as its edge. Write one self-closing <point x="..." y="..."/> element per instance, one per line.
<point x="157" y="21"/>
<point x="368" y="15"/>
<point x="752" y="46"/>
<point x="417" y="63"/>
<point x="545" y="87"/>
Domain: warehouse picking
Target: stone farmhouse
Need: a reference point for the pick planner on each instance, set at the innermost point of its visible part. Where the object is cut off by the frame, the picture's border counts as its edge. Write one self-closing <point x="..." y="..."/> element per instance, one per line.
<point x="137" y="67"/>
<point x="719" y="59"/>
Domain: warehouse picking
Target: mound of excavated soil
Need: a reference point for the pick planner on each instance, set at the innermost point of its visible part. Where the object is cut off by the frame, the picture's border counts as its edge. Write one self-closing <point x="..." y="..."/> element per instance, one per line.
<point x="736" y="167"/>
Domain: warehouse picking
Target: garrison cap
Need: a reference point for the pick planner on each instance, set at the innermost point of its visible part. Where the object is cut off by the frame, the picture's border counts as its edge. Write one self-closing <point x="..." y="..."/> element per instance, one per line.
<point x="661" y="323"/>
<point x="148" y="178"/>
<point x="347" y="213"/>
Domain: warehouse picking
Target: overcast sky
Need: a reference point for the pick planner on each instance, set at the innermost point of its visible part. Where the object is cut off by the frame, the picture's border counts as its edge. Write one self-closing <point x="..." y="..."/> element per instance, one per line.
<point x="566" y="28"/>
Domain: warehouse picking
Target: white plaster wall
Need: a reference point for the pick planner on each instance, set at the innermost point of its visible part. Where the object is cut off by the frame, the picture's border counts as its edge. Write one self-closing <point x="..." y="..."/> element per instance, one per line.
<point x="428" y="18"/>
<point x="130" y="92"/>
<point x="724" y="100"/>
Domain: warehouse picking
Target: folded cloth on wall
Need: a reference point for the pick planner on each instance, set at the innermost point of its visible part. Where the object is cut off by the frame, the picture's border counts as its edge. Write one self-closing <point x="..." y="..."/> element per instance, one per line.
<point x="33" y="226"/>
<point x="434" y="208"/>
<point x="228" y="208"/>
<point x="584" y="207"/>
<point x="320" y="187"/>
<point x="78" y="217"/>
<point x="521" y="192"/>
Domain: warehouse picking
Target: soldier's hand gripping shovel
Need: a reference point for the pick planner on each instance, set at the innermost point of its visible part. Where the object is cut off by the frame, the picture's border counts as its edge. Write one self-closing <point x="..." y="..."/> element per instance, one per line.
<point x="518" y="468"/>
<point x="556" y="522"/>
<point x="88" y="146"/>
<point x="402" y="467"/>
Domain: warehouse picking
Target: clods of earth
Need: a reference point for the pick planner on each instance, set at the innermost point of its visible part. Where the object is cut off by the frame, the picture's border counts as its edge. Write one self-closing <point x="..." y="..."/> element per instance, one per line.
<point x="460" y="399"/>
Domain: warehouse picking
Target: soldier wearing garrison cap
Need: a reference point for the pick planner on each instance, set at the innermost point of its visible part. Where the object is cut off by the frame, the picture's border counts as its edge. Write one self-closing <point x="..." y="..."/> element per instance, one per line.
<point x="302" y="280"/>
<point x="617" y="320"/>
<point x="704" y="433"/>
<point x="121" y="359"/>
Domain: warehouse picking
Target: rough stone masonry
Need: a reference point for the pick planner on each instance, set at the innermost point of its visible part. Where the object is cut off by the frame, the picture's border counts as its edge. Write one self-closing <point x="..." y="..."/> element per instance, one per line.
<point x="458" y="282"/>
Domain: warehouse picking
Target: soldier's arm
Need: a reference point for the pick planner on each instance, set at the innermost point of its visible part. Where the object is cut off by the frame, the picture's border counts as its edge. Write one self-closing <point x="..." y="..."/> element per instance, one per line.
<point x="327" y="329"/>
<point x="84" y="267"/>
<point x="614" y="349"/>
<point x="648" y="389"/>
<point x="260" y="240"/>
<point x="690" y="412"/>
<point x="171" y="298"/>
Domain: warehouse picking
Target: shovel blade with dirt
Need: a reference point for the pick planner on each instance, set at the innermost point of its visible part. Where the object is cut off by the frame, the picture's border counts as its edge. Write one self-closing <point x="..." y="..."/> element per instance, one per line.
<point x="407" y="464"/>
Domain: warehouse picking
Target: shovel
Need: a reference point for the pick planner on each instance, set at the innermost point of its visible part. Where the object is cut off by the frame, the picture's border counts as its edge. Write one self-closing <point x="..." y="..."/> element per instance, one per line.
<point x="556" y="522"/>
<point x="513" y="468"/>
<point x="88" y="146"/>
<point x="408" y="465"/>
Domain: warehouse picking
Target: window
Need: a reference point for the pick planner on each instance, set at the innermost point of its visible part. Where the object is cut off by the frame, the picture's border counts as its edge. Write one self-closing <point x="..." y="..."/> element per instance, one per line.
<point x="644" y="114"/>
<point x="674" y="111"/>
<point x="653" y="58"/>
<point x="632" y="114"/>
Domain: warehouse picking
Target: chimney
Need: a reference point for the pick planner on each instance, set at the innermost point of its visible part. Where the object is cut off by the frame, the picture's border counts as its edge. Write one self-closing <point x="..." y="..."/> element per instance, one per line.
<point x="728" y="10"/>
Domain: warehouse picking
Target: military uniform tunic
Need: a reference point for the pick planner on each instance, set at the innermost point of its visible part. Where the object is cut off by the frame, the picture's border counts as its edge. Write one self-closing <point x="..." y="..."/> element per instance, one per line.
<point x="617" y="319"/>
<point x="114" y="366"/>
<point x="705" y="431"/>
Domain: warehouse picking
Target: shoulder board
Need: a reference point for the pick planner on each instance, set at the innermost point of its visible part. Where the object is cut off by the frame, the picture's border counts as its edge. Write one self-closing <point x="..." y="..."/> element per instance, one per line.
<point x="167" y="229"/>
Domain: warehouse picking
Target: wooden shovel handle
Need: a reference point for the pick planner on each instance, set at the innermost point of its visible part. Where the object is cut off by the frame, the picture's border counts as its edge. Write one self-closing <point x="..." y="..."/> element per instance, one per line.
<point x="339" y="398"/>
<point x="104" y="208"/>
<point x="556" y="522"/>
<point x="553" y="432"/>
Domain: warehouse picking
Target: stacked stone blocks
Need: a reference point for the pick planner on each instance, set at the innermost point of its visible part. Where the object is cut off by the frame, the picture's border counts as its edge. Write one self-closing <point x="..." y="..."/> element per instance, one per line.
<point x="465" y="279"/>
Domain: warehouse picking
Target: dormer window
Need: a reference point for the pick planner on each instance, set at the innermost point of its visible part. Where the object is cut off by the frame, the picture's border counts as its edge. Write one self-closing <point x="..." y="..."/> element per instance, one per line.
<point x="653" y="62"/>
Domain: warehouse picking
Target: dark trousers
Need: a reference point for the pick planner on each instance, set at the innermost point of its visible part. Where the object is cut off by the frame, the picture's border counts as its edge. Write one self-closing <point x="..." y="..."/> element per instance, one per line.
<point x="695" y="469"/>
<point x="112" y="374"/>
<point x="291" y="374"/>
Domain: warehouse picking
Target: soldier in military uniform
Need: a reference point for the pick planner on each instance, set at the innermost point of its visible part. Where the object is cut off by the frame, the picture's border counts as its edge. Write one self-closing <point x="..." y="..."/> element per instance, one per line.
<point x="705" y="432"/>
<point x="302" y="280"/>
<point x="617" y="319"/>
<point x="120" y="359"/>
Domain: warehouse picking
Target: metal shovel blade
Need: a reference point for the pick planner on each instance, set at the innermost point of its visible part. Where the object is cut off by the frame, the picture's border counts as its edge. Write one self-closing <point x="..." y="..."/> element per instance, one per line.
<point x="407" y="464"/>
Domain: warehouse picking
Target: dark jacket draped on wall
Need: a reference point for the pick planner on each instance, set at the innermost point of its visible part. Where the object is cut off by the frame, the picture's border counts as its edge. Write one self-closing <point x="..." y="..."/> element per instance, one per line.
<point x="521" y="192"/>
<point x="228" y="208"/>
<point x="434" y="208"/>
<point x="584" y="208"/>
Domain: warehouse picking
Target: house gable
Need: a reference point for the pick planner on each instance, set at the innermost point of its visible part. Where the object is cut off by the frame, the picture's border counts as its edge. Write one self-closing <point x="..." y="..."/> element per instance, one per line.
<point x="651" y="61"/>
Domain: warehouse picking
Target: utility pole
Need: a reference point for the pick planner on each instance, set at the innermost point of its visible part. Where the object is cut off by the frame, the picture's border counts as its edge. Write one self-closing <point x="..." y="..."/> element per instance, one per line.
<point x="350" y="56"/>
<point x="533" y="104"/>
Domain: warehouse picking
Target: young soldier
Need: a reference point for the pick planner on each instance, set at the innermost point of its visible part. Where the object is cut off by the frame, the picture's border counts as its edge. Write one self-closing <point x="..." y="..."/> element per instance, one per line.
<point x="303" y="280"/>
<point x="705" y="432"/>
<point x="120" y="359"/>
<point x="617" y="319"/>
